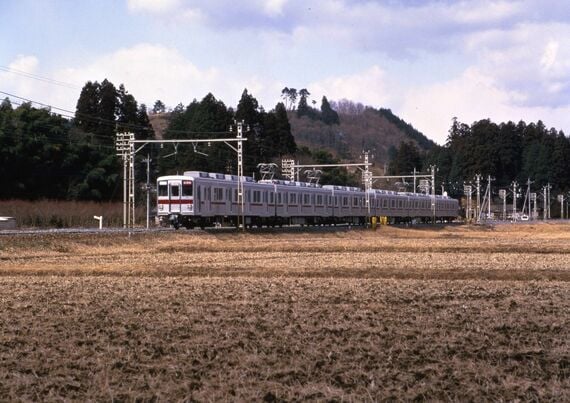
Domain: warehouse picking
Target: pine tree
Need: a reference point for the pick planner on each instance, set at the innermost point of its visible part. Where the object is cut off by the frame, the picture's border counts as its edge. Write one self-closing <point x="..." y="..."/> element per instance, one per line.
<point x="107" y="109"/>
<point x="328" y="115"/>
<point x="87" y="110"/>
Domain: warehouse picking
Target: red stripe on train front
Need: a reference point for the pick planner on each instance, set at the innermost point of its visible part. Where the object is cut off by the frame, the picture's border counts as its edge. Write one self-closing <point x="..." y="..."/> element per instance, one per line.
<point x="175" y="202"/>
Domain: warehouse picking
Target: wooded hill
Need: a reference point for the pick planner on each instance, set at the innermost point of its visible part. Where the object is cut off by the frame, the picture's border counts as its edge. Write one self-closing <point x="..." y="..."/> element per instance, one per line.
<point x="359" y="129"/>
<point x="46" y="155"/>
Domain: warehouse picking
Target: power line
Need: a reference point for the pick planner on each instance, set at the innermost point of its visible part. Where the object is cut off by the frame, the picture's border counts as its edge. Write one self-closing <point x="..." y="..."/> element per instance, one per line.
<point x="67" y="137"/>
<point x="39" y="78"/>
<point x="73" y="115"/>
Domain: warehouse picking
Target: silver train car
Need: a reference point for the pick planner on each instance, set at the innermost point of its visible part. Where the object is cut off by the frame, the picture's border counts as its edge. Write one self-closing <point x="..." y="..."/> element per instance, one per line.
<point x="207" y="199"/>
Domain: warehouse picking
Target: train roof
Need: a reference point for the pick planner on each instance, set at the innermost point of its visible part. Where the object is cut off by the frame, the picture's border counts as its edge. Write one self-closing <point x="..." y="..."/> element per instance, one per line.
<point x="234" y="178"/>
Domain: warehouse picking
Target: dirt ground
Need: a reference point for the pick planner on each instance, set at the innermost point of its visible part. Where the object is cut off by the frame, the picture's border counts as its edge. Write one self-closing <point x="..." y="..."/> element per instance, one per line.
<point x="450" y="313"/>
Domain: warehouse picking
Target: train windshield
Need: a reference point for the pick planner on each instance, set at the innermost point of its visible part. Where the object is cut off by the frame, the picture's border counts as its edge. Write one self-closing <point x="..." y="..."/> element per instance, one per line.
<point x="187" y="188"/>
<point x="162" y="189"/>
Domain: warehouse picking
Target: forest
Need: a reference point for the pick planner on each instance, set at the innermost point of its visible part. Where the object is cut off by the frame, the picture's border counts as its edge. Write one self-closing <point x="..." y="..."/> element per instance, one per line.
<point x="49" y="155"/>
<point x="506" y="151"/>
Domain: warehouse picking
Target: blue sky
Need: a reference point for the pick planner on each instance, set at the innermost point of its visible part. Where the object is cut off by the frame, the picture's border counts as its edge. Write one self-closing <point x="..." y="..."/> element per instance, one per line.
<point x="428" y="61"/>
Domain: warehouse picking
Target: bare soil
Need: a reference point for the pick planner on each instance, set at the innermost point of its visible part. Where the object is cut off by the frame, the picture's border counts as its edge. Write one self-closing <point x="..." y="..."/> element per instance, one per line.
<point x="451" y="313"/>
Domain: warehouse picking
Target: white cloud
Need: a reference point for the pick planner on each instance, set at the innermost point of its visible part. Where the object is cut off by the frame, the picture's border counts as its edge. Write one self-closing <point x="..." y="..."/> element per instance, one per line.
<point x="16" y="82"/>
<point x="274" y="7"/>
<point x="153" y="6"/>
<point x="369" y="87"/>
<point x="152" y="72"/>
<point x="533" y="59"/>
<point x="471" y="97"/>
<point x="149" y="72"/>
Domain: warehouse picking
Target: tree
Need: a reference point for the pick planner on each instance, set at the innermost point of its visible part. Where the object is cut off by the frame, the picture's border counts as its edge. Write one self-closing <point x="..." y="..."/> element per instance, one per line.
<point x="328" y="115"/>
<point x="159" y="107"/>
<point x="248" y="111"/>
<point x="107" y="109"/>
<point x="407" y="159"/>
<point x="198" y="120"/>
<point x="127" y="110"/>
<point x="278" y="140"/>
<point x="303" y="109"/>
<point x="289" y="95"/>
<point x="87" y="109"/>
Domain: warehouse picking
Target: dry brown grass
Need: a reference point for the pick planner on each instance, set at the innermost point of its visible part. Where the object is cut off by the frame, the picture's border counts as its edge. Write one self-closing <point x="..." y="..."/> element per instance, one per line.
<point x="457" y="313"/>
<point x="64" y="214"/>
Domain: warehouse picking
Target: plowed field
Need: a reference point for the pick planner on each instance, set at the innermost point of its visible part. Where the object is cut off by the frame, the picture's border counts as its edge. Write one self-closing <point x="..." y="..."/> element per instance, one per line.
<point x="451" y="313"/>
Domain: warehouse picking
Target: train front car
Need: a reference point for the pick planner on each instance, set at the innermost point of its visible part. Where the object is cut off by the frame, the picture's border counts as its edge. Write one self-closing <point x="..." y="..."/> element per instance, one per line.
<point x="175" y="200"/>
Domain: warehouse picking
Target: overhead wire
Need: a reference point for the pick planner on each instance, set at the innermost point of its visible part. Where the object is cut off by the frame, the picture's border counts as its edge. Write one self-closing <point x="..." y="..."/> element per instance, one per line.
<point x="73" y="115"/>
<point x="67" y="139"/>
<point x="38" y="77"/>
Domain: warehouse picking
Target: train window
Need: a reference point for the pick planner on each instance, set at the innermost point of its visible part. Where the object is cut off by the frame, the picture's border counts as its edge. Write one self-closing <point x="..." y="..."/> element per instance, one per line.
<point x="174" y="190"/>
<point x="392" y="203"/>
<point x="271" y="197"/>
<point x="265" y="197"/>
<point x="319" y="200"/>
<point x="329" y="201"/>
<point x="257" y="196"/>
<point x="162" y="190"/>
<point x="208" y="192"/>
<point x="292" y="198"/>
<point x="345" y="201"/>
<point x="306" y="199"/>
<point x="235" y="195"/>
<point x="385" y="203"/>
<point x="248" y="196"/>
<point x="279" y="199"/>
<point x="187" y="188"/>
<point x="218" y="194"/>
<point x="355" y="201"/>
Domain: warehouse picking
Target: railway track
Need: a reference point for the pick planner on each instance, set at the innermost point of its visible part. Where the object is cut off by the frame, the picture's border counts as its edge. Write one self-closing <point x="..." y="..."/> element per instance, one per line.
<point x="97" y="231"/>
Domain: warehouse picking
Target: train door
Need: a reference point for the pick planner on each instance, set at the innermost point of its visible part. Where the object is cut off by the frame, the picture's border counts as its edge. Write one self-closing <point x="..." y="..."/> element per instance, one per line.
<point x="207" y="201"/>
<point x="163" y="199"/>
<point x="174" y="194"/>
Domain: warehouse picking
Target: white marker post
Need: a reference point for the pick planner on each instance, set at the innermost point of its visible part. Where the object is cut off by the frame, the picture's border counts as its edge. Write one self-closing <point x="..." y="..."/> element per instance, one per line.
<point x="100" y="219"/>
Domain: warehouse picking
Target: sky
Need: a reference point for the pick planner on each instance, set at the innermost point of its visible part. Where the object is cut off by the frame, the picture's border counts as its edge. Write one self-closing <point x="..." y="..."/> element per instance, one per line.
<point x="428" y="61"/>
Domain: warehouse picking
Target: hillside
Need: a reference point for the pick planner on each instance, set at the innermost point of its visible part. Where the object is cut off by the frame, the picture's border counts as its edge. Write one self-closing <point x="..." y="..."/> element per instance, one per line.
<point x="159" y="123"/>
<point x="359" y="129"/>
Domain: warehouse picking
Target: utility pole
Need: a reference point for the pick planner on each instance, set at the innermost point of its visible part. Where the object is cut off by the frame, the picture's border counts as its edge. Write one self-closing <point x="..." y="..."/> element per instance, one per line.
<point x="548" y="187"/>
<point x="527" y="198"/>
<point x="367" y="179"/>
<point x="478" y="207"/>
<point x="545" y="197"/>
<point x="503" y="197"/>
<point x="122" y="145"/>
<point x="147" y="160"/>
<point x="432" y="167"/>
<point x="240" y="178"/>
<point x="415" y="180"/>
<point x="489" y="180"/>
<point x="467" y="191"/>
<point x="515" y="185"/>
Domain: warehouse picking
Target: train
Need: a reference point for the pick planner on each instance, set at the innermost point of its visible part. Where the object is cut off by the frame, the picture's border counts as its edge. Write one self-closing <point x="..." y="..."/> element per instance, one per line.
<point x="204" y="199"/>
